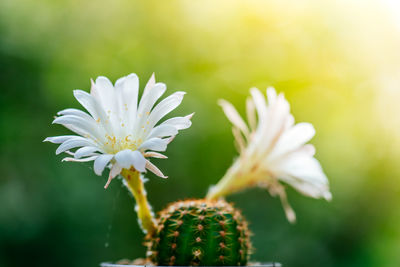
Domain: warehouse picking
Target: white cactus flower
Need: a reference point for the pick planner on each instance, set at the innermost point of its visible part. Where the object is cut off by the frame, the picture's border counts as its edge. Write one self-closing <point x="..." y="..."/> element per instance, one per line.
<point x="272" y="151"/>
<point x="118" y="131"/>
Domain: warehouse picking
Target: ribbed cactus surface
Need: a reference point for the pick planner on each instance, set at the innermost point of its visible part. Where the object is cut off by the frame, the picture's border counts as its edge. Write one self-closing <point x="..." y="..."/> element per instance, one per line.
<point x="200" y="232"/>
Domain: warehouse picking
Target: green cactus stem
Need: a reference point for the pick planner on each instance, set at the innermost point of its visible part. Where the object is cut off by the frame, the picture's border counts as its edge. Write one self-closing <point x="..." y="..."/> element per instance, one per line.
<point x="200" y="232"/>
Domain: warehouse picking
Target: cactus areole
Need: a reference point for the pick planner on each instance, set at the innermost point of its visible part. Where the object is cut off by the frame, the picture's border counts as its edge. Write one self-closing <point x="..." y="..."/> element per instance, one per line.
<point x="199" y="232"/>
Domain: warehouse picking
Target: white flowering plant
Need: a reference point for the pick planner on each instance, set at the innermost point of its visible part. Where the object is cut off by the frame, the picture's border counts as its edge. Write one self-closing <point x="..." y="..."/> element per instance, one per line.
<point x="121" y="132"/>
<point x="272" y="152"/>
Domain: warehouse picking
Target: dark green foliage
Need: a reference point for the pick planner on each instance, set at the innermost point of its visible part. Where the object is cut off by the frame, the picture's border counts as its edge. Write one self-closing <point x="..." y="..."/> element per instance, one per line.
<point x="200" y="232"/>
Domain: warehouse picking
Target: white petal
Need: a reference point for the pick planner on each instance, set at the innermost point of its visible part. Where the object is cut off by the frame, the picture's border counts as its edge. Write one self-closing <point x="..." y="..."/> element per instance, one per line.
<point x="103" y="89"/>
<point x="272" y="127"/>
<point x="76" y="121"/>
<point x="127" y="89"/>
<point x="152" y="154"/>
<point x="130" y="92"/>
<point x="85" y="151"/>
<point x="76" y="112"/>
<point x="293" y="138"/>
<point x="163" y="131"/>
<point x="73" y="143"/>
<point x="305" y="168"/>
<point x="81" y="126"/>
<point x="271" y="94"/>
<point x="146" y="104"/>
<point x="327" y="195"/>
<point x="101" y="162"/>
<point x="170" y="139"/>
<point x="150" y="84"/>
<point x="290" y="214"/>
<point x="59" y="139"/>
<point x="124" y="158"/>
<point x="119" y="84"/>
<point x="239" y="140"/>
<point x="259" y="102"/>
<point x="164" y="107"/>
<point x="312" y="190"/>
<point x="150" y="98"/>
<point x="305" y="174"/>
<point x="151" y="167"/>
<point x="127" y="158"/>
<point x="115" y="170"/>
<point x="104" y="93"/>
<point x="80" y="160"/>
<point x="251" y="113"/>
<point x="289" y="121"/>
<point x="179" y="123"/>
<point x="234" y="117"/>
<point x="156" y="144"/>
<point x="87" y="101"/>
<point x="94" y="108"/>
<point x="91" y="105"/>
<point x="307" y="149"/>
<point x="104" y="83"/>
<point x="131" y="84"/>
<point x="139" y="162"/>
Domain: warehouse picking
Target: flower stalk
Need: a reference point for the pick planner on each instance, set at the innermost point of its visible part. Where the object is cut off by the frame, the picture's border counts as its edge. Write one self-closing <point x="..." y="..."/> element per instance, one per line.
<point x="134" y="183"/>
<point x="231" y="182"/>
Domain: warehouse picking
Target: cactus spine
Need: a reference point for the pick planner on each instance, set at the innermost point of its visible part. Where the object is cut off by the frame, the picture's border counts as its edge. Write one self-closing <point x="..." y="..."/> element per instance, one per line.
<point x="200" y="232"/>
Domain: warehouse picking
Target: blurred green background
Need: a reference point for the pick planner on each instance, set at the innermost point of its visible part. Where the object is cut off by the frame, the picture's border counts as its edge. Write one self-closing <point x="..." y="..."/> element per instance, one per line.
<point x="338" y="63"/>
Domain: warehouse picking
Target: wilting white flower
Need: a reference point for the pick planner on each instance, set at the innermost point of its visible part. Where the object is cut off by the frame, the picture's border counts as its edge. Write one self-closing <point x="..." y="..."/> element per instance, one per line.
<point x="272" y="151"/>
<point x="117" y="131"/>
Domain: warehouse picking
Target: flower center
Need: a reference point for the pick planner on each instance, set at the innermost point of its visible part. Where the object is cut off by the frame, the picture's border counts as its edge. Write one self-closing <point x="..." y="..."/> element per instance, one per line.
<point x="114" y="144"/>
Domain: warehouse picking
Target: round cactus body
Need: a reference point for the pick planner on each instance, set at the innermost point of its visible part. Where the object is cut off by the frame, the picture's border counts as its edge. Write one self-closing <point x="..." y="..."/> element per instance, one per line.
<point x="200" y="232"/>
